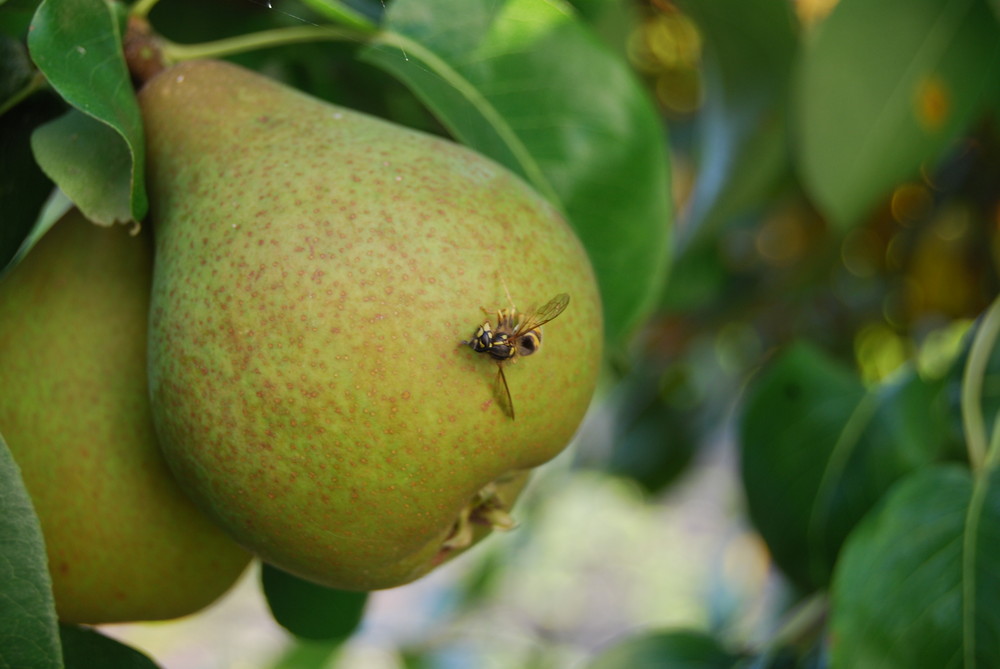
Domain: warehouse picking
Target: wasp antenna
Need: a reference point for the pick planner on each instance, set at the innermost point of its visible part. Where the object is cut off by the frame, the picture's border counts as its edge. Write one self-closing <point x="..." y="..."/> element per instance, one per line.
<point x="510" y="300"/>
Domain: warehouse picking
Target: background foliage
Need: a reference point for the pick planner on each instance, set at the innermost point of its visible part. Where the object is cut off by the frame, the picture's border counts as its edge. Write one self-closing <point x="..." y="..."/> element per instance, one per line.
<point x="829" y="209"/>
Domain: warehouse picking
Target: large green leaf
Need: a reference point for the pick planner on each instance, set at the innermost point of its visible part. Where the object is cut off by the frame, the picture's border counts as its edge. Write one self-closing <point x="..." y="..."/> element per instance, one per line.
<point x="885" y="87"/>
<point x="819" y="451"/>
<point x="28" y="632"/>
<point x="311" y="611"/>
<point x="919" y="582"/>
<point x="85" y="648"/>
<point x="675" y="649"/>
<point x="77" y="45"/>
<point x="741" y="139"/>
<point x="525" y="83"/>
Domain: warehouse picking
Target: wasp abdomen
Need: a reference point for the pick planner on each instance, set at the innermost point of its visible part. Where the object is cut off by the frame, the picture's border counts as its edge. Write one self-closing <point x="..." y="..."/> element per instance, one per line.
<point x="529" y="342"/>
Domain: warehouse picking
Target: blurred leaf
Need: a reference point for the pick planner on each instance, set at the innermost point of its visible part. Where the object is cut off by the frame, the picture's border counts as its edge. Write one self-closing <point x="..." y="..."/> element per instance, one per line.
<point x="789" y="657"/>
<point x="819" y="452"/>
<point x="28" y="630"/>
<point x="15" y="68"/>
<point x="85" y="648"/>
<point x="77" y="45"/>
<point x="89" y="162"/>
<point x="678" y="649"/>
<point x="654" y="441"/>
<point x="482" y="581"/>
<point x="418" y="659"/>
<point x="23" y="186"/>
<point x="15" y="16"/>
<point x="311" y="611"/>
<point x="307" y="655"/>
<point x="699" y="277"/>
<point x="919" y="582"/>
<point x="885" y="87"/>
<point x="741" y="141"/>
<point x="525" y="83"/>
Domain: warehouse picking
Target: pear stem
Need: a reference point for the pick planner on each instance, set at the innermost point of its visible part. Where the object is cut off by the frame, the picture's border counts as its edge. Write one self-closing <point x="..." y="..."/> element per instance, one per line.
<point x="173" y="52"/>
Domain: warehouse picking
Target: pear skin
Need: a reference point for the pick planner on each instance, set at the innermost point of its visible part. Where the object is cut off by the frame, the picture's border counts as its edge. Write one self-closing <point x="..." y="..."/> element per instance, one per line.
<point x="124" y="543"/>
<point x="317" y="274"/>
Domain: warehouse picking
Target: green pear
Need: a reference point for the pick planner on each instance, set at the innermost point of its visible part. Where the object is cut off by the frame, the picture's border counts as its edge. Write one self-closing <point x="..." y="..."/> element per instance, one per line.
<point x="318" y="272"/>
<point x="124" y="543"/>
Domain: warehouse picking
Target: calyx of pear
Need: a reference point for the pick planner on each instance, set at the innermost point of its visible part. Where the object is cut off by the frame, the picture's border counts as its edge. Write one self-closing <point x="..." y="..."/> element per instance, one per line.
<point x="317" y="272"/>
<point x="124" y="542"/>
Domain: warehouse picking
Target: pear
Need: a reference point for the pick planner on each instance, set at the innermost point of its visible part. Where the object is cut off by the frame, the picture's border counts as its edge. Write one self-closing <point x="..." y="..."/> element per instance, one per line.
<point x="318" y="275"/>
<point x="124" y="543"/>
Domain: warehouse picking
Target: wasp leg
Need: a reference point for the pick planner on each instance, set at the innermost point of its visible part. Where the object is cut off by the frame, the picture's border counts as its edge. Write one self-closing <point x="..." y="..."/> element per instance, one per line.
<point x="502" y="392"/>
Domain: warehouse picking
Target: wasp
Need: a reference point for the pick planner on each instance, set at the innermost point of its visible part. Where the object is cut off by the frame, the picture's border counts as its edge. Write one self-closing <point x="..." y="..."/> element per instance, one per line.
<point x="514" y="336"/>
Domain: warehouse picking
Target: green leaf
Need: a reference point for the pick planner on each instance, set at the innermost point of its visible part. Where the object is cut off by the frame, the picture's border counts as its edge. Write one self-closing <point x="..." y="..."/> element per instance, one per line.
<point x="85" y="648"/>
<point x="919" y="582"/>
<point x="677" y="649"/>
<point x="819" y="452"/>
<point x="885" y="87"/>
<point x="311" y="611"/>
<point x="28" y="630"/>
<point x="741" y="139"/>
<point x="525" y="83"/>
<point x="77" y="45"/>
<point x="89" y="162"/>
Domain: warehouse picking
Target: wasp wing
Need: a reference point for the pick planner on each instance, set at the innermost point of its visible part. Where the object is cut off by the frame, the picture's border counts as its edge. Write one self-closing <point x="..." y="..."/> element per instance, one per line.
<point x="502" y="392"/>
<point x="543" y="314"/>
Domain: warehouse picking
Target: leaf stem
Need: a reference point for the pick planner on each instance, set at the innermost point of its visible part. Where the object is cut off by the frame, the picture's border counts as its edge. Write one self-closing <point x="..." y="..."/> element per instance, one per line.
<point x="36" y="83"/>
<point x="972" y="388"/>
<point x="341" y="14"/>
<point x="173" y="52"/>
<point x="801" y="627"/>
<point x="141" y="8"/>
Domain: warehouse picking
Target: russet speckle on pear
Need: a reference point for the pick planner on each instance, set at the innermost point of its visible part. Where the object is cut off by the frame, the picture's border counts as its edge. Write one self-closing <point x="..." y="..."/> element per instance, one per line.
<point x="317" y="270"/>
